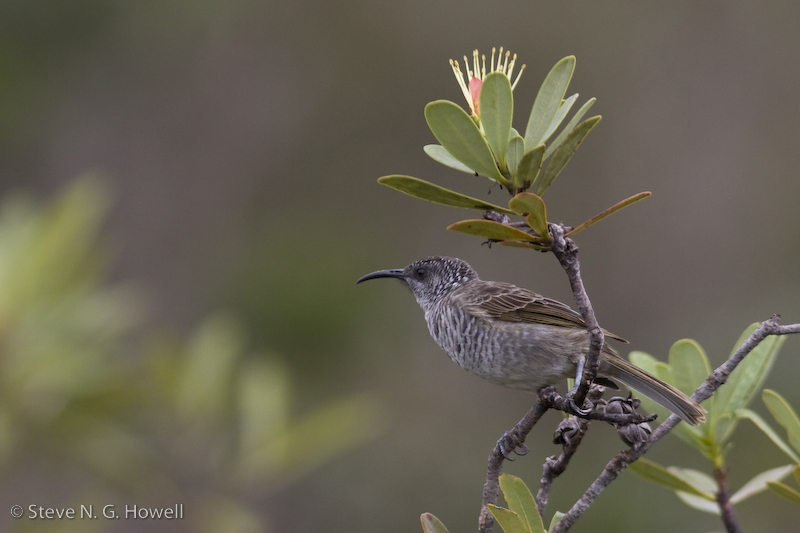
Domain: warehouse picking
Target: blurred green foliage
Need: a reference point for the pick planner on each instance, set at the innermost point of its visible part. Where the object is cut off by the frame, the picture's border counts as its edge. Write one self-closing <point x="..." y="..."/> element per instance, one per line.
<point x="61" y="331"/>
<point x="87" y="383"/>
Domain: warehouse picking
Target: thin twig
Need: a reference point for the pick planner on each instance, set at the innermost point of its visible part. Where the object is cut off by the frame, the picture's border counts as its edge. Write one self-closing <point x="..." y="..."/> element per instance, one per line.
<point x="703" y="392"/>
<point x="514" y="438"/>
<point x="562" y="404"/>
<point x="554" y="467"/>
<point x="549" y="398"/>
<point x="566" y="251"/>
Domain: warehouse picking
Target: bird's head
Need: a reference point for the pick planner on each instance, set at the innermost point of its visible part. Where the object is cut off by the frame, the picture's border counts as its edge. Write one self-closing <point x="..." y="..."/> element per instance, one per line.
<point x="430" y="279"/>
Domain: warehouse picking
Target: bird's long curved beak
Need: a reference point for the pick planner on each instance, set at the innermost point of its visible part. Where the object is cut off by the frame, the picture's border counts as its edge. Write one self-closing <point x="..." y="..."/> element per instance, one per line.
<point x="392" y="273"/>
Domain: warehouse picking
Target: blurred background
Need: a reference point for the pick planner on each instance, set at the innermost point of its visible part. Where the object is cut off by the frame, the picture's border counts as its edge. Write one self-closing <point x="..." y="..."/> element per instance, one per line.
<point x="188" y="194"/>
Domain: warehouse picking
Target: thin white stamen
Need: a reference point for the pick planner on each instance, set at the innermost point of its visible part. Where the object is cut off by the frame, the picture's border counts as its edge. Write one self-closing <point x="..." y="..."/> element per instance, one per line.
<point x="518" y="76"/>
<point x="460" y="80"/>
<point x="511" y="66"/>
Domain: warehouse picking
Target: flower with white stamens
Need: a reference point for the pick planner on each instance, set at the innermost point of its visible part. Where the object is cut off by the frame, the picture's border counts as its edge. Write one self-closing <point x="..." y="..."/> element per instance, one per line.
<point x="472" y="80"/>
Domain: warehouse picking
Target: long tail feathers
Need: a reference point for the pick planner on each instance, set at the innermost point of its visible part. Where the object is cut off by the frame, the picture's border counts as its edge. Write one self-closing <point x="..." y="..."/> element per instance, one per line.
<point x="662" y="393"/>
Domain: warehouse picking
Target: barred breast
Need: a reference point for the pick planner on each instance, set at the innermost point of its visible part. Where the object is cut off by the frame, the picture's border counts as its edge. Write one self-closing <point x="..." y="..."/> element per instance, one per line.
<point x="516" y="355"/>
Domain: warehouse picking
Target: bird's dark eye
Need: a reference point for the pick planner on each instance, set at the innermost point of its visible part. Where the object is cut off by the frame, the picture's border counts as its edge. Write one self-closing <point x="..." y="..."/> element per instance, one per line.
<point x="419" y="273"/>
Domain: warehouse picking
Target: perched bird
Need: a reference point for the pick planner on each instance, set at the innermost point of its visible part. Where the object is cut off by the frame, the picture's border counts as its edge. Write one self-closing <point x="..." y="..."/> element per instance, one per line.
<point x="515" y="337"/>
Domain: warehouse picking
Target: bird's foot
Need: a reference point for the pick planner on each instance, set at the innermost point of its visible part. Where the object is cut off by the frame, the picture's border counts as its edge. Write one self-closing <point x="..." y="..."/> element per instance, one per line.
<point x="507" y="444"/>
<point x="572" y="406"/>
<point x="578" y="411"/>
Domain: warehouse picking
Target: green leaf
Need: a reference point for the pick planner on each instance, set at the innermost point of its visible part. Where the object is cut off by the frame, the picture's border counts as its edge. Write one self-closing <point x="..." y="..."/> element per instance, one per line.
<point x="508" y="520"/>
<point x="431" y="524"/>
<point x="769" y="432"/>
<point x="520" y="500"/>
<point x="208" y="369"/>
<point x="556" y="518"/>
<point x="263" y="394"/>
<point x="438" y="153"/>
<point x="748" y="377"/>
<point x="548" y="101"/>
<point x="491" y="230"/>
<point x="759" y="483"/>
<point x="611" y="210"/>
<point x="564" y="153"/>
<point x="496" y="107"/>
<point x="723" y="426"/>
<point x="563" y="109"/>
<point x="529" y="167"/>
<point x="690" y="366"/>
<point x="643" y="360"/>
<point x="664" y="372"/>
<point x="690" y="435"/>
<point x="785" y="491"/>
<point x="516" y="149"/>
<point x="433" y="193"/>
<point x="570" y="126"/>
<point x="796" y="473"/>
<point x="532" y="207"/>
<point x="701" y="504"/>
<point x="656" y="473"/>
<point x="460" y="136"/>
<point x="784" y="415"/>
<point x="697" y="479"/>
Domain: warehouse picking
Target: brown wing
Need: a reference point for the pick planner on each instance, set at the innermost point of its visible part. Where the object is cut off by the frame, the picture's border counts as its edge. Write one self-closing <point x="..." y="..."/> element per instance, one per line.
<point x="503" y="301"/>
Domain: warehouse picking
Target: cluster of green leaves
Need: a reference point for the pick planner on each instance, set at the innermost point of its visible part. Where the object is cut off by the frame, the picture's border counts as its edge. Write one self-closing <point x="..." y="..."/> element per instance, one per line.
<point x="487" y="145"/>
<point x="87" y="385"/>
<point x="521" y="516"/>
<point x="786" y="416"/>
<point x="688" y="367"/>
